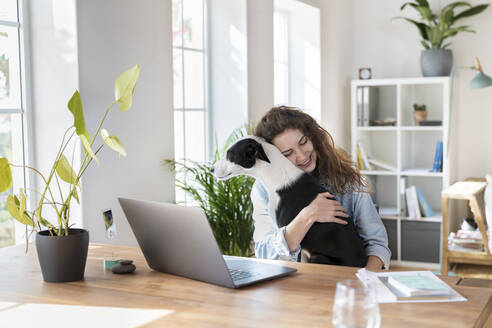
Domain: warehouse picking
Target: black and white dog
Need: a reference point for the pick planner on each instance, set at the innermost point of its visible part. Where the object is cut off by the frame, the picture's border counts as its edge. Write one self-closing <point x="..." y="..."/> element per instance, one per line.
<point x="290" y="190"/>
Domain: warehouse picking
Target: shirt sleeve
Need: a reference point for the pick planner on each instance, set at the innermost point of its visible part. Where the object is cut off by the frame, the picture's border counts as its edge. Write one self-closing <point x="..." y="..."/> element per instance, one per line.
<point x="269" y="239"/>
<point x="370" y="227"/>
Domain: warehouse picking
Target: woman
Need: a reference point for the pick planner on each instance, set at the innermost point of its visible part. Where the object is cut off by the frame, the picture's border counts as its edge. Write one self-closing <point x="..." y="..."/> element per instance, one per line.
<point x="310" y="147"/>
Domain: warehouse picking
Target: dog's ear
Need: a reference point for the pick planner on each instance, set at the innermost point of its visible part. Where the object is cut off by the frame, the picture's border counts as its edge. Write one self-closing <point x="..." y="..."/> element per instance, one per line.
<point x="260" y="153"/>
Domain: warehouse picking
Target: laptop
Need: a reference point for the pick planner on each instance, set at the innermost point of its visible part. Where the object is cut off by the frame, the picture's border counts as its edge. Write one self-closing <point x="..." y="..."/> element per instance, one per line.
<point x="178" y="240"/>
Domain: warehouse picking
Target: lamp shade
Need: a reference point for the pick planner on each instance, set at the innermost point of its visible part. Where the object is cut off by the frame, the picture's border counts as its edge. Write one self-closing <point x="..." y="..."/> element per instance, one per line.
<point x="480" y="81"/>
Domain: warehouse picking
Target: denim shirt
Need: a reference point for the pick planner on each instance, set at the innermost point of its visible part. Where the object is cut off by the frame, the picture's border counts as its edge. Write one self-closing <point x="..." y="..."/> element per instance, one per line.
<point x="270" y="239"/>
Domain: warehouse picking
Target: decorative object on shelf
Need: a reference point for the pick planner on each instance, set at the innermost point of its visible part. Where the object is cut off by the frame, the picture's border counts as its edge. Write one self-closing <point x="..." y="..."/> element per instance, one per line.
<point x="438" y="155"/>
<point x="365" y="73"/>
<point x="434" y="29"/>
<point x="419" y="113"/>
<point x="430" y="123"/>
<point x="62" y="250"/>
<point x="389" y="121"/>
<point x="226" y="203"/>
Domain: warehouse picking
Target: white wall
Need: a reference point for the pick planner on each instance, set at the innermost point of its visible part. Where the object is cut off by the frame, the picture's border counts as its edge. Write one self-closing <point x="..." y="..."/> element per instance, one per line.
<point x="53" y="79"/>
<point x="114" y="35"/>
<point x="228" y="70"/>
<point x="392" y="49"/>
<point x="260" y="57"/>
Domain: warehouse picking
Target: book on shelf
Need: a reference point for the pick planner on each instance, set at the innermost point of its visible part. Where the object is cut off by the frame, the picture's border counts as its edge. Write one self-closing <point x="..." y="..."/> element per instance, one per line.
<point x="412" y="203"/>
<point x="364" y="157"/>
<point x="424" y="204"/>
<point x="382" y="165"/>
<point x="359" y="159"/>
<point x="403" y="186"/>
<point x="437" y="166"/>
<point x="430" y="123"/>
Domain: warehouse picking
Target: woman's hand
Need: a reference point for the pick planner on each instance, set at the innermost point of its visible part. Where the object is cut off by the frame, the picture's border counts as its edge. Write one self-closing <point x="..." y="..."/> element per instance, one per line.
<point x="322" y="209"/>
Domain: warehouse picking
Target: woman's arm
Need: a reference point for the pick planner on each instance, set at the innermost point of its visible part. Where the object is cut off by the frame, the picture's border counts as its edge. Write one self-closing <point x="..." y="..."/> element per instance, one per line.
<point x="371" y="230"/>
<point x="321" y="209"/>
<point x="272" y="242"/>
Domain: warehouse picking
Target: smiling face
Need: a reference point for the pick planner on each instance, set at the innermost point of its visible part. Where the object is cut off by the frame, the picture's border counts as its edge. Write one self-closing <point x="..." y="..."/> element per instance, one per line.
<point x="298" y="149"/>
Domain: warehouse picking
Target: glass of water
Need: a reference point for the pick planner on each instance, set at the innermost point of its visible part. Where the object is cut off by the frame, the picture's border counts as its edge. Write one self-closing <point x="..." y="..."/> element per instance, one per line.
<point x="355" y="305"/>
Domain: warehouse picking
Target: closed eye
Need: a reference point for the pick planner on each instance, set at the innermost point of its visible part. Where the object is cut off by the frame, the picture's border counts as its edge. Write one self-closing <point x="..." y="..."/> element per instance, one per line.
<point x="303" y="141"/>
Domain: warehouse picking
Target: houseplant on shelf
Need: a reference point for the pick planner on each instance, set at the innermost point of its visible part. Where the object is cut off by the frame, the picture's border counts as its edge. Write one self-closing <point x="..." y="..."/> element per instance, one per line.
<point x="419" y="113"/>
<point x="62" y="250"/>
<point x="226" y="204"/>
<point x="436" y="29"/>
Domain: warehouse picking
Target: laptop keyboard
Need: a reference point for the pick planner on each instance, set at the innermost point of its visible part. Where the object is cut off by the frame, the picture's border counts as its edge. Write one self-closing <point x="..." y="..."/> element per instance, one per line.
<point x="240" y="274"/>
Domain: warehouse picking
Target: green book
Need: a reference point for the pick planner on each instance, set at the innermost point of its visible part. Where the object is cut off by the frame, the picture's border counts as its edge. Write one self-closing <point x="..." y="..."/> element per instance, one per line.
<point x="418" y="285"/>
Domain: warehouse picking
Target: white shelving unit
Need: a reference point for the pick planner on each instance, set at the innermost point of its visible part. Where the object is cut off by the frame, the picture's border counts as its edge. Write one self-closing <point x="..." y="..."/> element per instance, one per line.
<point x="410" y="150"/>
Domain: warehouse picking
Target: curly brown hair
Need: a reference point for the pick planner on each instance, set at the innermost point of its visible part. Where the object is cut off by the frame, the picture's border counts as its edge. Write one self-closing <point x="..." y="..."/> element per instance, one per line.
<point x="334" y="167"/>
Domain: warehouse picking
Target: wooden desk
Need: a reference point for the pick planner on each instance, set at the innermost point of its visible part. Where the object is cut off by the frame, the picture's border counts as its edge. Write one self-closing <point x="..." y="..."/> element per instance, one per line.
<point x="158" y="300"/>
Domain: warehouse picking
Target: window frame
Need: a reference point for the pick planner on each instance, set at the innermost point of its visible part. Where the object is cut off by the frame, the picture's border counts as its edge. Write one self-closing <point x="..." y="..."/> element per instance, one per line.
<point x="25" y="109"/>
<point x="180" y="196"/>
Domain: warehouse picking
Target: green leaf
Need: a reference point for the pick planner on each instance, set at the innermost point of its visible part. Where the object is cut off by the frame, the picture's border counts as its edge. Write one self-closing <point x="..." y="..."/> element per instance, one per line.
<point x="426" y="13"/>
<point x="454" y="5"/>
<point x="423" y="3"/>
<point x="471" y="12"/>
<point x="87" y="147"/>
<point x="414" y="5"/>
<point x="424" y="43"/>
<point x="42" y="220"/>
<point x="13" y="206"/>
<point x="75" y="195"/>
<point x="113" y="142"/>
<point x="125" y="86"/>
<point x="75" y="106"/>
<point x="22" y="206"/>
<point x="5" y="175"/>
<point x="65" y="171"/>
<point x="422" y="27"/>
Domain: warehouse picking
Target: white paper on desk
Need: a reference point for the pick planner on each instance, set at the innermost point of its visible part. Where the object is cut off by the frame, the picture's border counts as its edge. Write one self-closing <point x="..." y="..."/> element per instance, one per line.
<point x="385" y="296"/>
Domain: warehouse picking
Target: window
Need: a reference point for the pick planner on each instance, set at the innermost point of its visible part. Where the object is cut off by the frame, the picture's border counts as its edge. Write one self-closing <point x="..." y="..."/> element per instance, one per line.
<point x="12" y="112"/>
<point x="189" y="56"/>
<point x="281" y="58"/>
<point x="296" y="38"/>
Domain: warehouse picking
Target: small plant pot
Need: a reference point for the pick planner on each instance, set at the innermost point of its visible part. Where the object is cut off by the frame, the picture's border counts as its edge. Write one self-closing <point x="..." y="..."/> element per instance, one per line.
<point x="419" y="115"/>
<point x="62" y="258"/>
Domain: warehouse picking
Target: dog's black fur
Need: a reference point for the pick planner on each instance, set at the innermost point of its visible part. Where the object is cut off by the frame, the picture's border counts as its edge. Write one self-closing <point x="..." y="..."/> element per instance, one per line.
<point x="328" y="243"/>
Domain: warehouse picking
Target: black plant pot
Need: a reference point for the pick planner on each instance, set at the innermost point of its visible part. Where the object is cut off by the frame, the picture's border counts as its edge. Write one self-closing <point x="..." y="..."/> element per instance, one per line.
<point x="62" y="258"/>
<point x="436" y="62"/>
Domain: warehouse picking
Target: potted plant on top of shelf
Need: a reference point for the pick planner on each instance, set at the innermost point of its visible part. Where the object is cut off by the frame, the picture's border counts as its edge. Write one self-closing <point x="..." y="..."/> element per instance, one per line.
<point x="435" y="29"/>
<point x="62" y="250"/>
<point x="419" y="113"/>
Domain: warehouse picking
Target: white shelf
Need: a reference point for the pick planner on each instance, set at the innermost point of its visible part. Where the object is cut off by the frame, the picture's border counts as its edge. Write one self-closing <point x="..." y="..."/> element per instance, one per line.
<point x="408" y="148"/>
<point x="376" y="128"/>
<point x="435" y="218"/>
<point x="378" y="172"/>
<point x="421" y="128"/>
<point x="420" y="173"/>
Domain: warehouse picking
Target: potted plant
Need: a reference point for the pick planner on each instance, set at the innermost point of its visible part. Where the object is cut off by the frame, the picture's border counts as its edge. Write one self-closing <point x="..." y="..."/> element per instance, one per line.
<point x="62" y="250"/>
<point x="436" y="29"/>
<point x="226" y="204"/>
<point x="419" y="113"/>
